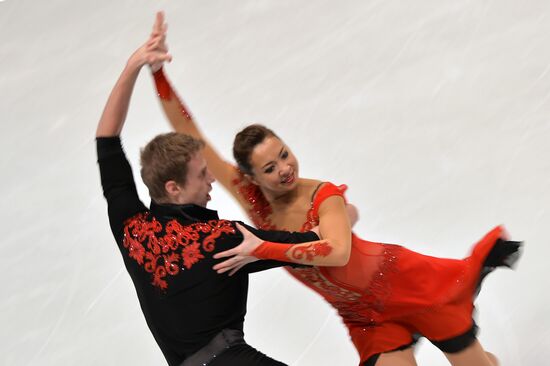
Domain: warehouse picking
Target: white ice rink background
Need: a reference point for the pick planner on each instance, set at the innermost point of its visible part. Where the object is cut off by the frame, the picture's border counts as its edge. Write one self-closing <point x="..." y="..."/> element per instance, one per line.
<point x="436" y="113"/>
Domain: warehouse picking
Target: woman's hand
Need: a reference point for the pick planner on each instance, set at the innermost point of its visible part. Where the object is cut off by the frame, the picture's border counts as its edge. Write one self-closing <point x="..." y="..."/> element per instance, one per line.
<point x="159" y="29"/>
<point x="241" y="254"/>
<point x="154" y="52"/>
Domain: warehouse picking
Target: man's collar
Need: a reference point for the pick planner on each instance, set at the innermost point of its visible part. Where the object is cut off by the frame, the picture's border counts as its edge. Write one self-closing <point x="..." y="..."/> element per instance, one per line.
<point x="187" y="212"/>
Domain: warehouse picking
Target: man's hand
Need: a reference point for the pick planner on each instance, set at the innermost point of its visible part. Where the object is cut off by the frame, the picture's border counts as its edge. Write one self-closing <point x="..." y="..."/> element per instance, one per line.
<point x="353" y="214"/>
<point x="241" y="253"/>
<point x="153" y="52"/>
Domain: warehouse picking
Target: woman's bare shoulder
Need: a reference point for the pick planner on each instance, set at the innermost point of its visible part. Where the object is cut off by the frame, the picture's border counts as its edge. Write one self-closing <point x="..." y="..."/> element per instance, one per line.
<point x="311" y="182"/>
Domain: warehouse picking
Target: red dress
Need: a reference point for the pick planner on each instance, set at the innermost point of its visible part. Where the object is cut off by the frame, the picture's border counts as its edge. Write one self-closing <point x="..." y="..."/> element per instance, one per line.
<point x="388" y="295"/>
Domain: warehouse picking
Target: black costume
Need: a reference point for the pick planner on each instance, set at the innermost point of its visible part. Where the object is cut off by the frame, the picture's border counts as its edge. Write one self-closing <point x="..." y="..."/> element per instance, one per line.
<point x="168" y="252"/>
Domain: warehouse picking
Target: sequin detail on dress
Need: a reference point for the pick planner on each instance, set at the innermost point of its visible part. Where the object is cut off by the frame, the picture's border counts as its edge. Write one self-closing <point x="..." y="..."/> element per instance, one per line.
<point x="360" y="306"/>
<point x="387" y="295"/>
<point x="259" y="209"/>
<point x="355" y="306"/>
<point x="180" y="247"/>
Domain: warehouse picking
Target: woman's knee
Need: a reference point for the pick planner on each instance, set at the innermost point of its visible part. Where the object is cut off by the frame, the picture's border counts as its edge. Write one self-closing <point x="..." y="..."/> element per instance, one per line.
<point x="397" y="358"/>
<point x="473" y="355"/>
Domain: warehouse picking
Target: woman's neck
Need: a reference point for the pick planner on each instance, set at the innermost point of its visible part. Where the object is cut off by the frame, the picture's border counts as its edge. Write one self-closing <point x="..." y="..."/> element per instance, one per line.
<point x="281" y="200"/>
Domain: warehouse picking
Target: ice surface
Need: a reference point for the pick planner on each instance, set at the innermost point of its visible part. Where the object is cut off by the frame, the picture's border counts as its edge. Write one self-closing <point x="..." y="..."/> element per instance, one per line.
<point x="435" y="113"/>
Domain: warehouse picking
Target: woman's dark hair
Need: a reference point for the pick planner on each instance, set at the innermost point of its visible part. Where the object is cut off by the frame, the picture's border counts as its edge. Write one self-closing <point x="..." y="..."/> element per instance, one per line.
<point x="245" y="141"/>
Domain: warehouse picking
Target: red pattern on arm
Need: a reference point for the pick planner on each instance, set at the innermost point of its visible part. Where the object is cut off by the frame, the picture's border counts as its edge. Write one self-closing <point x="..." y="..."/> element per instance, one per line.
<point x="270" y="250"/>
<point x="165" y="91"/>
<point x="289" y="252"/>
<point x="310" y="251"/>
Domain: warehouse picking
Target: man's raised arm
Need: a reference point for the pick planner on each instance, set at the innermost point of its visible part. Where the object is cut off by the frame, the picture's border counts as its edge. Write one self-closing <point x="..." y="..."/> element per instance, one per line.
<point x="152" y="53"/>
<point x="116" y="174"/>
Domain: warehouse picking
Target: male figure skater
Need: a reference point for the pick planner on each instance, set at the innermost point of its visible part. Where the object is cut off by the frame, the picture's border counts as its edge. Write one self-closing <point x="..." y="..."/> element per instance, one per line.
<point x="195" y="315"/>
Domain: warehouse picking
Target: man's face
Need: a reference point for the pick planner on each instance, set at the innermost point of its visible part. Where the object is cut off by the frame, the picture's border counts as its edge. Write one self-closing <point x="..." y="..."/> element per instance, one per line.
<point x="198" y="184"/>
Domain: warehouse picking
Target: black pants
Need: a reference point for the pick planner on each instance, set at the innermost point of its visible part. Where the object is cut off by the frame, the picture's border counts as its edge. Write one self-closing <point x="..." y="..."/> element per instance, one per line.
<point x="228" y="348"/>
<point x="243" y="355"/>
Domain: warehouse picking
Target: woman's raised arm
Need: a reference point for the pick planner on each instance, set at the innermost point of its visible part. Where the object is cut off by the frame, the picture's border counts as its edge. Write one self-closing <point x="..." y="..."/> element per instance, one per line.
<point x="181" y="120"/>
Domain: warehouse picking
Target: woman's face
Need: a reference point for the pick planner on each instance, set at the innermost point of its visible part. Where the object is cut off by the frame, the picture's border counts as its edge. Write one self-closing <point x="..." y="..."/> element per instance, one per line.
<point x="274" y="166"/>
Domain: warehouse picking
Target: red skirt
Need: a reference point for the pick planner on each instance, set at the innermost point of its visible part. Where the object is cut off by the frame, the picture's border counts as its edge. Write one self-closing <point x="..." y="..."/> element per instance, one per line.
<point x="388" y="295"/>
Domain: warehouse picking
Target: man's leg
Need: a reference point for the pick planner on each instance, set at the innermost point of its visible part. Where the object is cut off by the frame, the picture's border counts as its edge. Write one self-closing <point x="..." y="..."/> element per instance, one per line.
<point x="243" y="355"/>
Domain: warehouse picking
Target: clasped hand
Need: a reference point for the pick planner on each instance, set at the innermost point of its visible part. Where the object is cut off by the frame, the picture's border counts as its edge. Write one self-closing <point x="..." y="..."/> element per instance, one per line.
<point x="154" y="52"/>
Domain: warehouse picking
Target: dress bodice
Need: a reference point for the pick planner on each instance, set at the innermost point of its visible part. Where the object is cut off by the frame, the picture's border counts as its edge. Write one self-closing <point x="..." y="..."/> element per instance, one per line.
<point x="354" y="289"/>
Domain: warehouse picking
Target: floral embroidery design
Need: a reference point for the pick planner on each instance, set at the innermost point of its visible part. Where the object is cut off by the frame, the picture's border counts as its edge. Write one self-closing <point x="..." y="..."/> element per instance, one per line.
<point x="180" y="247"/>
<point x="311" y="251"/>
<point x="191" y="255"/>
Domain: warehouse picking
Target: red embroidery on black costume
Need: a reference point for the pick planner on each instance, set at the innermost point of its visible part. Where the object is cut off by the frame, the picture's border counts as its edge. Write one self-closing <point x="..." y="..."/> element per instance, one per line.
<point x="311" y="251"/>
<point x="191" y="255"/>
<point x="179" y="247"/>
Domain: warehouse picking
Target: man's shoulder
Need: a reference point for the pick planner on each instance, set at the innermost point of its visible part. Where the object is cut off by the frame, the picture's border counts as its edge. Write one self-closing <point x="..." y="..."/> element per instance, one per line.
<point x="148" y="221"/>
<point x="166" y="246"/>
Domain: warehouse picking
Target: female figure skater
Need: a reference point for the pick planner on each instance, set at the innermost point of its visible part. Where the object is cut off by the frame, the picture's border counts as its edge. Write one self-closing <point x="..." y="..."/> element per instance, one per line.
<point x="387" y="295"/>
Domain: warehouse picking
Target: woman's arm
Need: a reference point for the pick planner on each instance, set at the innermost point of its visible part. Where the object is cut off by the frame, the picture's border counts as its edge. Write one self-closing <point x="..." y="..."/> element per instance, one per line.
<point x="182" y="122"/>
<point x="332" y="250"/>
<point x="252" y="264"/>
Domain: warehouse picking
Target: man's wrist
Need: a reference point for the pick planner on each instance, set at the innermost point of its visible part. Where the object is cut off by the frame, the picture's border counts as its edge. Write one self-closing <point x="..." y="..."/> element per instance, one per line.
<point x="134" y="65"/>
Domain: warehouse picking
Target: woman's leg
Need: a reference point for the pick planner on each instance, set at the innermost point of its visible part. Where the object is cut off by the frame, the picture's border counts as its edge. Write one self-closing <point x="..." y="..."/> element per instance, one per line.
<point x="397" y="358"/>
<point x="473" y="355"/>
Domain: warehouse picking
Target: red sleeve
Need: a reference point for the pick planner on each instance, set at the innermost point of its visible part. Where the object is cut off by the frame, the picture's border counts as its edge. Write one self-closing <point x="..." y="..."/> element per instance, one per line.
<point x="327" y="190"/>
<point x="165" y="91"/>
